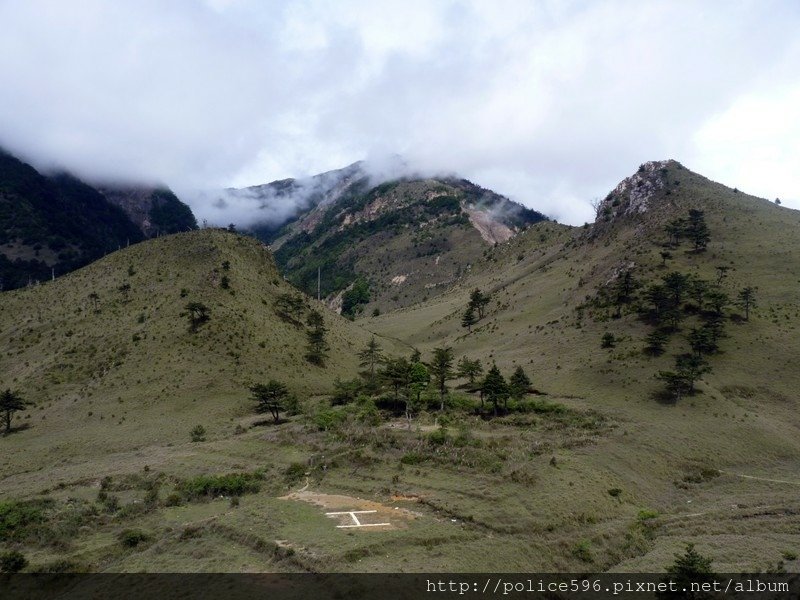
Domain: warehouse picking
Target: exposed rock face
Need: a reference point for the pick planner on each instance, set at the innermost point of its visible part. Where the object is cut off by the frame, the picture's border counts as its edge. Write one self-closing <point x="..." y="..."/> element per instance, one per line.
<point x="634" y="195"/>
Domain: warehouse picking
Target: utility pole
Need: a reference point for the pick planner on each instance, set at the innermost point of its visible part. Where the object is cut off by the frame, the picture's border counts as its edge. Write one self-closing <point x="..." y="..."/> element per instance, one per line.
<point x="318" y="286"/>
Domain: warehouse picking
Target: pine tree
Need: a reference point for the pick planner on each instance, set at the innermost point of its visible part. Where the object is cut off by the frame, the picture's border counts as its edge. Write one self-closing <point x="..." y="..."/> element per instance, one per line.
<point x="697" y="230"/>
<point x="747" y="300"/>
<point x="691" y="367"/>
<point x="270" y="397"/>
<point x="656" y="340"/>
<point x="11" y="402"/>
<point x="468" y="319"/>
<point x="689" y="569"/>
<point x="370" y="358"/>
<point x="494" y="387"/>
<point x="470" y="369"/>
<point x="441" y="369"/>
<point x="519" y="384"/>
<point x="675" y="230"/>
<point x="478" y="301"/>
<point x="317" y="346"/>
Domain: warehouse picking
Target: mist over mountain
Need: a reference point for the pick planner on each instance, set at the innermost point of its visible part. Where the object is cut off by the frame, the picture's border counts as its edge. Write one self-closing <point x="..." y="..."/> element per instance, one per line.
<point x="54" y="223"/>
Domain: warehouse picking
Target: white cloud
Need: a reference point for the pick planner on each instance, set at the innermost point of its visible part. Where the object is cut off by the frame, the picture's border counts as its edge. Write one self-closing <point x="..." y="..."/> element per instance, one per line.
<point x="549" y="102"/>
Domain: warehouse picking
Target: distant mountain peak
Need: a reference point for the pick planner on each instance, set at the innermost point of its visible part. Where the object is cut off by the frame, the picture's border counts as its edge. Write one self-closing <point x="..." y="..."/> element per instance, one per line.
<point x="636" y="194"/>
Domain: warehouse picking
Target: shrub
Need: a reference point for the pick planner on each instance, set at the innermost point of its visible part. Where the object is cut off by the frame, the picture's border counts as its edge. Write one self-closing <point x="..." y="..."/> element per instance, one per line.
<point x="789" y="555"/>
<point x="173" y="499"/>
<point x="294" y="472"/>
<point x="583" y="551"/>
<point x="614" y="492"/>
<point x="12" y="561"/>
<point x="232" y="484"/>
<point x="199" y="434"/>
<point x="130" y="538"/>
<point x="608" y="341"/>
<point x="413" y="458"/>
<point x="15" y="517"/>
<point x="647" y="514"/>
<point x="438" y="437"/>
<point x="328" y="419"/>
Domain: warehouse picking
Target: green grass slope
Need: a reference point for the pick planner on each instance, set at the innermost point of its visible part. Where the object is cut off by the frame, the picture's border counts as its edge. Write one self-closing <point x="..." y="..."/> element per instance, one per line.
<point x="125" y="372"/>
<point x="744" y="420"/>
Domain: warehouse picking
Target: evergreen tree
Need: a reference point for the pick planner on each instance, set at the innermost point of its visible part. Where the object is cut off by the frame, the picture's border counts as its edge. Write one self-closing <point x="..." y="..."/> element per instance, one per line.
<point x="689" y="568"/>
<point x="519" y="384"/>
<point x="418" y="380"/>
<point x="656" y="340"/>
<point x="469" y="369"/>
<point x="676" y="284"/>
<point x="317" y="346"/>
<point x="697" y="288"/>
<point x="717" y="301"/>
<point x="691" y="367"/>
<point x="494" y="387"/>
<point x="197" y="313"/>
<point x="10" y="403"/>
<point x="370" y="358"/>
<point x="270" y="398"/>
<point x="747" y="300"/>
<point x="468" y="318"/>
<point x="291" y="308"/>
<point x="675" y="383"/>
<point x="478" y="301"/>
<point x="702" y="341"/>
<point x="441" y="369"/>
<point x="675" y="230"/>
<point x="397" y="373"/>
<point x="697" y="230"/>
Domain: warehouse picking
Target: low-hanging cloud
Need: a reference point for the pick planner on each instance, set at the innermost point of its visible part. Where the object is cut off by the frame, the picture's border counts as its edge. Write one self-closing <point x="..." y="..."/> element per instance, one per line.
<point x="548" y="103"/>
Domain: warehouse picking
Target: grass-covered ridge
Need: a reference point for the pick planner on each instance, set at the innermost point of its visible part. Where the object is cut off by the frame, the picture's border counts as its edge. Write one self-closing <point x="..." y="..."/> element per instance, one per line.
<point x="111" y="362"/>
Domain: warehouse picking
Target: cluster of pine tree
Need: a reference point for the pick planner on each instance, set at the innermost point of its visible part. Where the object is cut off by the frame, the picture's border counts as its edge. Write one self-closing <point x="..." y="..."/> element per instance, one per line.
<point x="678" y="302"/>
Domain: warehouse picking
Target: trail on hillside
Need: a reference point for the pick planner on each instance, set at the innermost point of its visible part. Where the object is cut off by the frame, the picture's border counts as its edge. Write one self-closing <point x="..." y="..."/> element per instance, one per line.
<point x="760" y="478"/>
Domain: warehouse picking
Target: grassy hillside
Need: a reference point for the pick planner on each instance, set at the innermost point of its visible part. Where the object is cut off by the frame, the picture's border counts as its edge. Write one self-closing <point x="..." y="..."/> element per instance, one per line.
<point x="743" y="422"/>
<point x="123" y="370"/>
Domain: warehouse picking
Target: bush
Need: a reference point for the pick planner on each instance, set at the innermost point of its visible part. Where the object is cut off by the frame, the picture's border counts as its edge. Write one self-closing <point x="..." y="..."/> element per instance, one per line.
<point x="413" y="458"/>
<point x="647" y="514"/>
<point x="12" y="561"/>
<point x="232" y="484"/>
<point x="199" y="434"/>
<point x="608" y="341"/>
<point x="438" y="437"/>
<point x="130" y="538"/>
<point x="328" y="419"/>
<point x="583" y="551"/>
<point x="614" y="492"/>
<point x="15" y="517"/>
<point x="294" y="472"/>
<point x="174" y="499"/>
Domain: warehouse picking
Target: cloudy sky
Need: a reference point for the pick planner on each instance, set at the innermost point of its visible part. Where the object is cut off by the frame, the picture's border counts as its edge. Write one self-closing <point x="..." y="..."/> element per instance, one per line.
<point x="548" y="102"/>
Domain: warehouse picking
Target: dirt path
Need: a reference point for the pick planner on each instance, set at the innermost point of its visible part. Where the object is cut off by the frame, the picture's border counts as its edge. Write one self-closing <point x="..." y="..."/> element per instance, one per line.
<point x="761" y="478"/>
